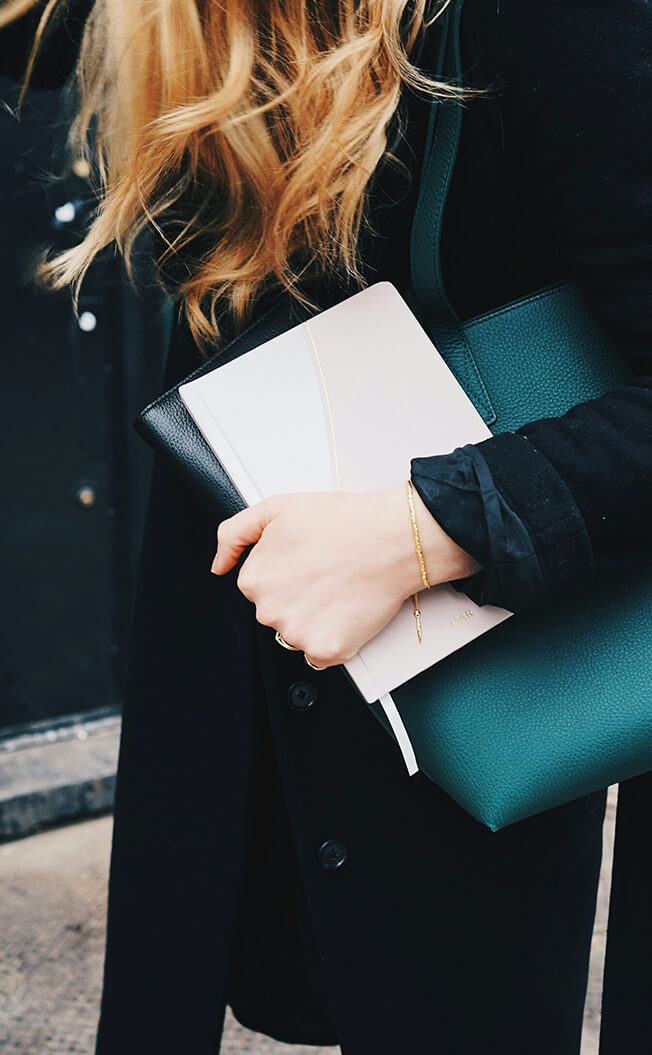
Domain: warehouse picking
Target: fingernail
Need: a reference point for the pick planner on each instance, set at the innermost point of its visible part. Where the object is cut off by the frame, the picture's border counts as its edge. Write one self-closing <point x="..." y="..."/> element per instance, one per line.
<point x="214" y="565"/>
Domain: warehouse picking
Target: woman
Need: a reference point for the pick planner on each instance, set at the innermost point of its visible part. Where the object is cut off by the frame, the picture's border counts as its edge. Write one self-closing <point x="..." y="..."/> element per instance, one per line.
<point x="269" y="851"/>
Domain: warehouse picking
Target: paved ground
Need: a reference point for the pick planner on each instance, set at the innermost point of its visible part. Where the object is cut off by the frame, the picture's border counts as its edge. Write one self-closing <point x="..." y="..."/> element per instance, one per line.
<point x="58" y="775"/>
<point x="52" y="903"/>
<point x="53" y="888"/>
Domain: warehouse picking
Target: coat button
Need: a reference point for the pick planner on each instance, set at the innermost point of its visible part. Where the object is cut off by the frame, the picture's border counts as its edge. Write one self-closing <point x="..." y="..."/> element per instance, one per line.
<point x="332" y="854"/>
<point x="302" y="695"/>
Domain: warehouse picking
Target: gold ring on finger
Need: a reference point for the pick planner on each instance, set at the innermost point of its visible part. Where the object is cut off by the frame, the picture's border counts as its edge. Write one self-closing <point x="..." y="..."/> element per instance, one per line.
<point x="286" y="644"/>
<point x="312" y="664"/>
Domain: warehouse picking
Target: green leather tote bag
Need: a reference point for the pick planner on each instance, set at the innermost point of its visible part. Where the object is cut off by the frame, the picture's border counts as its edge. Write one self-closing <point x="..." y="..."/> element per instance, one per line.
<point x="556" y="703"/>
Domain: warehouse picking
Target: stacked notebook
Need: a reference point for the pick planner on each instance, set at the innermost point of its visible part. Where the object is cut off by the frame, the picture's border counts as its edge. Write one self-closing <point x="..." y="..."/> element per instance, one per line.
<point x="344" y="402"/>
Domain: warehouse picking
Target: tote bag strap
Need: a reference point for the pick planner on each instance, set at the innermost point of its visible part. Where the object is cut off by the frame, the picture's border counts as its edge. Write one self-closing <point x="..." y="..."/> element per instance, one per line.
<point x="427" y="285"/>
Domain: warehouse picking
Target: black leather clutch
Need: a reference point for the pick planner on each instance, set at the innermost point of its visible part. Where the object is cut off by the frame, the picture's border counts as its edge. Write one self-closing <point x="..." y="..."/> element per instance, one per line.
<point x="167" y="426"/>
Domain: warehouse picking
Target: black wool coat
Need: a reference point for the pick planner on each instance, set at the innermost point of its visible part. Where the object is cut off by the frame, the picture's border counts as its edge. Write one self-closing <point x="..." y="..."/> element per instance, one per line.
<point x="269" y="850"/>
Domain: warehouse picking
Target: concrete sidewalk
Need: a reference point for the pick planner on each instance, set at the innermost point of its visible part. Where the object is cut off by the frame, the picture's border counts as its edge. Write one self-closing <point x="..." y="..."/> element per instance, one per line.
<point x="52" y="908"/>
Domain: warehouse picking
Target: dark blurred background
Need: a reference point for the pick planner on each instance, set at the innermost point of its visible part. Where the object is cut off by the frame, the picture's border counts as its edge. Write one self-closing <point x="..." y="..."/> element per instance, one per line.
<point x="74" y="479"/>
<point x="74" y="474"/>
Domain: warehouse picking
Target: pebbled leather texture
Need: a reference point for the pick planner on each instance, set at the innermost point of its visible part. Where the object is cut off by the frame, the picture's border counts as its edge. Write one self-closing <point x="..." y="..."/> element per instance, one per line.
<point x="168" y="427"/>
<point x="557" y="703"/>
<point x="542" y="354"/>
<point x="550" y="705"/>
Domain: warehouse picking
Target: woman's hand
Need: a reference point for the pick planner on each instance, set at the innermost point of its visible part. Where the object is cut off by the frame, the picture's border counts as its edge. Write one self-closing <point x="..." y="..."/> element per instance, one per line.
<point x="330" y="568"/>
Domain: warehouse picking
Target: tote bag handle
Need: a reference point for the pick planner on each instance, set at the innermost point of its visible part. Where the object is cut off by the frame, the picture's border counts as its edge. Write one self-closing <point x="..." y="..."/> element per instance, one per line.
<point x="427" y="286"/>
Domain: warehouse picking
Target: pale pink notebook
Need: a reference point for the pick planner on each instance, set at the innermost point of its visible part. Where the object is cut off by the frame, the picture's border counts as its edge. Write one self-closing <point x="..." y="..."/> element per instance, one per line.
<point x="345" y="402"/>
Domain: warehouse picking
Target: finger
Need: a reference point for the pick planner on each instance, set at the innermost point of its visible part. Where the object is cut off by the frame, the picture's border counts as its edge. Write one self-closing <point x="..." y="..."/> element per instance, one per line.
<point x="313" y="664"/>
<point x="239" y="531"/>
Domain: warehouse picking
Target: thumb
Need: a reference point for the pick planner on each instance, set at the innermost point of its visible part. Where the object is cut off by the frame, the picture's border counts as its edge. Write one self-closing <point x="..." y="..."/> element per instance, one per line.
<point x="239" y="531"/>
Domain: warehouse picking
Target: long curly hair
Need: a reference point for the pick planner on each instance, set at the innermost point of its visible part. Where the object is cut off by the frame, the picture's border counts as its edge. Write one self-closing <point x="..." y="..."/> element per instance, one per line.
<point x="244" y="132"/>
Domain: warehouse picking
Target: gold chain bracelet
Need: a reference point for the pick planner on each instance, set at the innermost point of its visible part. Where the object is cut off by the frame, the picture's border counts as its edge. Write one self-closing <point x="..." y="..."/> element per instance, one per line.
<point x="417" y="546"/>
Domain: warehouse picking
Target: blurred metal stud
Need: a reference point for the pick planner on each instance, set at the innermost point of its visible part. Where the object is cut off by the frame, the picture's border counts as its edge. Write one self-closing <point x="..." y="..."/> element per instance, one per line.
<point x="86" y="497"/>
<point x="65" y="213"/>
<point x="81" y="168"/>
<point x="87" y="321"/>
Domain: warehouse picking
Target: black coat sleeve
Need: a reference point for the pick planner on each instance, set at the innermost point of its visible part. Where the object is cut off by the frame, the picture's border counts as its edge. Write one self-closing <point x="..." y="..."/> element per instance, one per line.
<point x="548" y="508"/>
<point x="58" y="51"/>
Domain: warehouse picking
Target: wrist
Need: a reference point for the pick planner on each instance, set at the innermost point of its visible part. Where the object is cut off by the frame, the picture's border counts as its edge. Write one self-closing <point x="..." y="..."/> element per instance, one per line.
<point x="444" y="559"/>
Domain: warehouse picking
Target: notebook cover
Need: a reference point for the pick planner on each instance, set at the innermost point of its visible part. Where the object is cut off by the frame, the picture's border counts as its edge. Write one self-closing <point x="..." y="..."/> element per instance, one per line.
<point x="344" y="401"/>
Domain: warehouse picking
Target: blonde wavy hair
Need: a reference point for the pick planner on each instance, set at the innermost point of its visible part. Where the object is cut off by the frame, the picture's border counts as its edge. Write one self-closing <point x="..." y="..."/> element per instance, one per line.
<point x="245" y="132"/>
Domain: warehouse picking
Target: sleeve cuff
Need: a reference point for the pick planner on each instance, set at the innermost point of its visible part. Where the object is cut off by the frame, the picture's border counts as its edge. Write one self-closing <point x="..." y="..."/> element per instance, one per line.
<point x="505" y="504"/>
